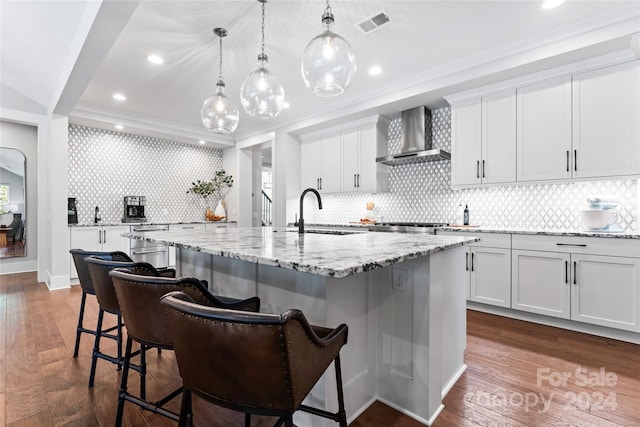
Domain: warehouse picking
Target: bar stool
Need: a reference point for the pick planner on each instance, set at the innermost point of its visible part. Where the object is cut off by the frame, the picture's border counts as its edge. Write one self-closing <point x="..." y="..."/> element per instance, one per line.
<point x="139" y="300"/>
<point x="79" y="256"/>
<point x="271" y="361"/>
<point x="108" y="302"/>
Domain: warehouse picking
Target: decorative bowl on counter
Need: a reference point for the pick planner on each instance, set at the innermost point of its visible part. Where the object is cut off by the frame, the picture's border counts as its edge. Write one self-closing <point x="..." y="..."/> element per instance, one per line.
<point x="597" y="219"/>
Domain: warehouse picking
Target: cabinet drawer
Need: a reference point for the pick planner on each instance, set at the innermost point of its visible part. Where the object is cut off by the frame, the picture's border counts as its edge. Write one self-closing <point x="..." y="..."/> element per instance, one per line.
<point x="186" y="227"/>
<point x="487" y="240"/>
<point x="578" y="245"/>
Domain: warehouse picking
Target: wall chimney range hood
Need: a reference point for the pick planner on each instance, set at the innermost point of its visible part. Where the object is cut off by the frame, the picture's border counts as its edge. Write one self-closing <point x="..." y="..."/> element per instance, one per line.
<point x="417" y="146"/>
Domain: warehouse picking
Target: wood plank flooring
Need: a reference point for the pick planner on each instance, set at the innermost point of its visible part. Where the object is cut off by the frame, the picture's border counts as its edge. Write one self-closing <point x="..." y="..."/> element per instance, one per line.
<point x="519" y="374"/>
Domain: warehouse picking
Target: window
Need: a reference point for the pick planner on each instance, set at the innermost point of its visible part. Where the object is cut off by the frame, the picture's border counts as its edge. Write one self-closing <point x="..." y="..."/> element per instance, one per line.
<point x="4" y="196"/>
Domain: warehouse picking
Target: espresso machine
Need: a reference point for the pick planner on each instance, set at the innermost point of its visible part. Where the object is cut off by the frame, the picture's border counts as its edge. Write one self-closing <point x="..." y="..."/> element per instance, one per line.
<point x="134" y="209"/>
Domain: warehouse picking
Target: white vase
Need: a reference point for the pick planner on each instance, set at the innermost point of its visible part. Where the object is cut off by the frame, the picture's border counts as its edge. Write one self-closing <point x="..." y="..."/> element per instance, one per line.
<point x="220" y="210"/>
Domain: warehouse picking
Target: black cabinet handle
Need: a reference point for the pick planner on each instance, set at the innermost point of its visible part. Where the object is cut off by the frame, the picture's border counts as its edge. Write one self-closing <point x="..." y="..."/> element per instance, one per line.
<point x="354" y="180"/>
<point x="478" y="169"/>
<point x="566" y="272"/>
<point x="567" y="160"/>
<point x="358" y="180"/>
<point x="579" y="245"/>
<point x="99" y="236"/>
<point x="483" y="168"/>
<point x="472" y="261"/>
<point x="320" y="183"/>
<point x="104" y="240"/>
<point x="575" y="160"/>
<point x="575" y="272"/>
<point x="466" y="261"/>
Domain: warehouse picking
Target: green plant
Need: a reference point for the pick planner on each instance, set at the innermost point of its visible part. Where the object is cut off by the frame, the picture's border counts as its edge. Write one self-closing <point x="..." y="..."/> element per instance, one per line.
<point x="218" y="186"/>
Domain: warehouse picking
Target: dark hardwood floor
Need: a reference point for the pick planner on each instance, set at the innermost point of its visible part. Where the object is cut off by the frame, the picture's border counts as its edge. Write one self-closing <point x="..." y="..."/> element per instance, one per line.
<point x="519" y="374"/>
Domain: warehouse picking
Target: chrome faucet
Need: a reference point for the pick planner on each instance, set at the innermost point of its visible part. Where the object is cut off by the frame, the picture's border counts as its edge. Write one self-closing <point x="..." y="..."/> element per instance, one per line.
<point x="301" y="221"/>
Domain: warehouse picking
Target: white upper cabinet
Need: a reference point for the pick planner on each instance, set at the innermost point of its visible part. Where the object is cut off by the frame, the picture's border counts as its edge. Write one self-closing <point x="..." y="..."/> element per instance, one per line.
<point x="466" y="125"/>
<point x="310" y="170"/>
<point x="344" y="160"/>
<point x="544" y="131"/>
<point x="484" y="140"/>
<point x="499" y="138"/>
<point x="606" y="121"/>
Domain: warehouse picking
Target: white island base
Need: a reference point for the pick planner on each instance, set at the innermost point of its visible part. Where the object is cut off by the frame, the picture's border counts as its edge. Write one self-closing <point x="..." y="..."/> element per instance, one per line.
<point x="406" y="339"/>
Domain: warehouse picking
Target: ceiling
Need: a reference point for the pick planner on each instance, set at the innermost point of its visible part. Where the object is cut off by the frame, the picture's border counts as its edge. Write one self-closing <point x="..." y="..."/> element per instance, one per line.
<point x="429" y="49"/>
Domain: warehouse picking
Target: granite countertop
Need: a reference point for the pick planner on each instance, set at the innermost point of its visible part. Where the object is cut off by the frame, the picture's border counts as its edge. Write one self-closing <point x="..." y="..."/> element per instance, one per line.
<point x="538" y="232"/>
<point x="113" y="224"/>
<point x="328" y="255"/>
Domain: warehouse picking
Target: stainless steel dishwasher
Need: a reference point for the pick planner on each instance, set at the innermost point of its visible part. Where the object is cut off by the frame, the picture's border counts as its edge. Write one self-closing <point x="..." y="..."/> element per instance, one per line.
<point x="155" y="254"/>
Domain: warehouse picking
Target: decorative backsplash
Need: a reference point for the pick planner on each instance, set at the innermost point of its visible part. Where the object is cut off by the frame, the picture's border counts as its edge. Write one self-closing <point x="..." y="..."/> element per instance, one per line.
<point x="422" y="193"/>
<point x="105" y="166"/>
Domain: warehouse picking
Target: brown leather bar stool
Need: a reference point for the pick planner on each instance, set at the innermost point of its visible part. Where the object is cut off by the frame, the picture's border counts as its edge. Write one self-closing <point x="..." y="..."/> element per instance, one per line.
<point x="108" y="302"/>
<point x="271" y="361"/>
<point x="79" y="256"/>
<point x="144" y="315"/>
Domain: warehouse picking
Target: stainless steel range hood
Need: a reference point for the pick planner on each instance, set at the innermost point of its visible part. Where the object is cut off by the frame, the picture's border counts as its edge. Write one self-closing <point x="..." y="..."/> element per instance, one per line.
<point x="417" y="144"/>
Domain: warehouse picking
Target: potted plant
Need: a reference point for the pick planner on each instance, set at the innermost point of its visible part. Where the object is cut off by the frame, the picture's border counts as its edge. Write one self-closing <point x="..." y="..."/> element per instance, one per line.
<point x="217" y="187"/>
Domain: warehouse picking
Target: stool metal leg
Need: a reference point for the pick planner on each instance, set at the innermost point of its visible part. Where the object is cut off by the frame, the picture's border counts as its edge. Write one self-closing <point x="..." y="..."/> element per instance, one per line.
<point x="143" y="372"/>
<point x="186" y="415"/>
<point x="123" y="382"/>
<point x="342" y="414"/>
<point x="80" y="329"/>
<point x="96" y="348"/>
<point x="247" y="419"/>
<point x="119" y="341"/>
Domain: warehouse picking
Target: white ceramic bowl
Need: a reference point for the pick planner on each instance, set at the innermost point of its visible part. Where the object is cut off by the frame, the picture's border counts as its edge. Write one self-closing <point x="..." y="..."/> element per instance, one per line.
<point x="596" y="219"/>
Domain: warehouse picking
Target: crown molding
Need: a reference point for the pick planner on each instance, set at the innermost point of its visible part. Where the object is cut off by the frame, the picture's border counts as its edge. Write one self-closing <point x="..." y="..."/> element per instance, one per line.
<point x="89" y="115"/>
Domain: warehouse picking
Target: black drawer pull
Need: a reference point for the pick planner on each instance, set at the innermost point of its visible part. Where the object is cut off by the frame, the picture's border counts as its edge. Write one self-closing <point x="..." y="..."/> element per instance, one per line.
<point x="579" y="245"/>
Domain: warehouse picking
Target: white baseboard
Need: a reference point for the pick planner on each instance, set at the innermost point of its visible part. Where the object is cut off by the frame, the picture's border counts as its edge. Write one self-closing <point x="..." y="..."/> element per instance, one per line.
<point x="57" y="282"/>
<point x="18" y="267"/>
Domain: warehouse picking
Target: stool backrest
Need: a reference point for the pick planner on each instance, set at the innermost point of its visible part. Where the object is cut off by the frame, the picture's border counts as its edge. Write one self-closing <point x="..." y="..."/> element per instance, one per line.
<point x="103" y="283"/>
<point x="84" y="277"/>
<point x="139" y="300"/>
<point x="249" y="361"/>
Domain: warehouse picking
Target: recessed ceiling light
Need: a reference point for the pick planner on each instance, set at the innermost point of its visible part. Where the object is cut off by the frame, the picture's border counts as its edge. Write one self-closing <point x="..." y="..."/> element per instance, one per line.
<point x="201" y="142"/>
<point x="550" y="4"/>
<point x="119" y="97"/>
<point x="286" y="105"/>
<point x="119" y="127"/>
<point x="155" y="59"/>
<point x="375" y="70"/>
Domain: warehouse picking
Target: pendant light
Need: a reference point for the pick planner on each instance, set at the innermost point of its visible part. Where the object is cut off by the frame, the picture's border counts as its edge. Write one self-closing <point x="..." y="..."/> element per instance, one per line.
<point x="328" y="62"/>
<point x="261" y="94"/>
<point x="218" y="113"/>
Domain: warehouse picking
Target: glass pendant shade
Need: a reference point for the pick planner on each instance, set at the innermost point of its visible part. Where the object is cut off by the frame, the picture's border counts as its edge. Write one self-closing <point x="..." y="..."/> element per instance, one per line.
<point x="328" y="63"/>
<point x="218" y="113"/>
<point x="261" y="94"/>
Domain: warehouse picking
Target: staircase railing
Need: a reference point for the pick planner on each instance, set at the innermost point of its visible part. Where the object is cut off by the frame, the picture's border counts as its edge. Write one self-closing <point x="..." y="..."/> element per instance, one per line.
<point x="266" y="209"/>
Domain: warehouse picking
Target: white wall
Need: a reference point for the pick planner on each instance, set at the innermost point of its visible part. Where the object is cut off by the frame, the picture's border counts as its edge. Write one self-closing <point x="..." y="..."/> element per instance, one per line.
<point x="25" y="139"/>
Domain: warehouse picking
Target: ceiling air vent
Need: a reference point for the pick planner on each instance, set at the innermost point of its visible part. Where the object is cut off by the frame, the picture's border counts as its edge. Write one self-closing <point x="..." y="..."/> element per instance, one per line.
<point x="375" y="22"/>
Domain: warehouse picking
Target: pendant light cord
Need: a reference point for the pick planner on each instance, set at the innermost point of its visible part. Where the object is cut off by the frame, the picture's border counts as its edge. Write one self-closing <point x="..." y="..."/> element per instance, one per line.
<point x="220" y="79"/>
<point x="263" y="27"/>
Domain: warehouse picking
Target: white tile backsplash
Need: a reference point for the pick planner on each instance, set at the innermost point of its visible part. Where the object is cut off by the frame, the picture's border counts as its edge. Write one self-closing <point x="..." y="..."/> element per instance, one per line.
<point x="105" y="166"/>
<point x="422" y="193"/>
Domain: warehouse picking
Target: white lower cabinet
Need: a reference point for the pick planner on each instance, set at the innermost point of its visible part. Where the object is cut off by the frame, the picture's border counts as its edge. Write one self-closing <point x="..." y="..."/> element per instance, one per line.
<point x="606" y="291"/>
<point x="581" y="279"/>
<point x="540" y="283"/>
<point x="488" y="268"/>
<point x="103" y="238"/>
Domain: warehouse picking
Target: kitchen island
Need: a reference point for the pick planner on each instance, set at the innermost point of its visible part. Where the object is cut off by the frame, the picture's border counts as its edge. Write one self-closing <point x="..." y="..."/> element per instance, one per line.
<point x="402" y="296"/>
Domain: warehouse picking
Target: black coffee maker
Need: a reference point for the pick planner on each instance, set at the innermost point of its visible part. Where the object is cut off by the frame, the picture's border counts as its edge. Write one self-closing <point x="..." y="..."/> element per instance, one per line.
<point x="72" y="210"/>
<point x="134" y="209"/>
